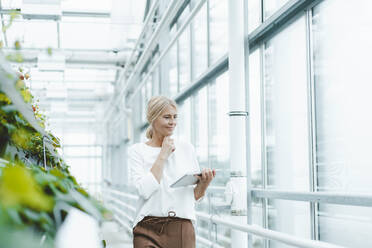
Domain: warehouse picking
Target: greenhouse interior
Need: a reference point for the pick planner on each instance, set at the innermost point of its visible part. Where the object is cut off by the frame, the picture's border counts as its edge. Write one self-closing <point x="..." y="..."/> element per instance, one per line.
<point x="185" y="123"/>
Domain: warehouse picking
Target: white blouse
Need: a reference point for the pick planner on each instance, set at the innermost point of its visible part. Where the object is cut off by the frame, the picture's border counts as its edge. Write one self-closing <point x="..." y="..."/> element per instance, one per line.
<point x="157" y="199"/>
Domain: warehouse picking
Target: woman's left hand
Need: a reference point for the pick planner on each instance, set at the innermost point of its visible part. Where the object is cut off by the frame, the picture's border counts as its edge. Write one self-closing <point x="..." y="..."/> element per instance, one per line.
<point x="205" y="179"/>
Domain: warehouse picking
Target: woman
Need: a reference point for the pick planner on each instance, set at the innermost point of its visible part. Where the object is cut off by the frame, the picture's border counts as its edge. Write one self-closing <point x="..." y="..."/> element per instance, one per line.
<point x="165" y="216"/>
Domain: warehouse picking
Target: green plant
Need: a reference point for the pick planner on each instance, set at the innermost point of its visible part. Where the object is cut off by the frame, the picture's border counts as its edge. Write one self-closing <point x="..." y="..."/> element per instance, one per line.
<point x="31" y="196"/>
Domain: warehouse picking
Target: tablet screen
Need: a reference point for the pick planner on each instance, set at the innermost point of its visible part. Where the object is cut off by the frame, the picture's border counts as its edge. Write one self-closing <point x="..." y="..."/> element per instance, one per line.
<point x="185" y="180"/>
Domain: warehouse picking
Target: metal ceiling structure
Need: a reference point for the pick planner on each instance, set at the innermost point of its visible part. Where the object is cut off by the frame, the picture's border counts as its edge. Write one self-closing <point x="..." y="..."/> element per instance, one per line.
<point x="87" y="43"/>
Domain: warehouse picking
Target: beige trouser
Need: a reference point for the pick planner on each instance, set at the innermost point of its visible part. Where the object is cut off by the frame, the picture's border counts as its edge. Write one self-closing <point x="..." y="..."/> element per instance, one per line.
<point x="164" y="232"/>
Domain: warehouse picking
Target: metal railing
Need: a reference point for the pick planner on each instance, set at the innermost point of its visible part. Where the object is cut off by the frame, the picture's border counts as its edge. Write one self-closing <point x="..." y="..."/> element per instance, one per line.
<point x="251" y="229"/>
<point x="320" y="197"/>
<point x="207" y="242"/>
<point x="123" y="204"/>
<point x="267" y="234"/>
<point x="340" y="198"/>
<point x="117" y="192"/>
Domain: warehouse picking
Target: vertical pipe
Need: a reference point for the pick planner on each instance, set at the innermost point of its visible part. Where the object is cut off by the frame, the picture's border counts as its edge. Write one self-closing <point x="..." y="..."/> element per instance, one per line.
<point x="238" y="115"/>
<point x="247" y="123"/>
<point x="312" y="125"/>
<point x="264" y="152"/>
<point x="265" y="215"/>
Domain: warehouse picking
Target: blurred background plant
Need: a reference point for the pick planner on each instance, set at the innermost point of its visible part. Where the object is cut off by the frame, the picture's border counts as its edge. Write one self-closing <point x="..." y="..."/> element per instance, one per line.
<point x="36" y="187"/>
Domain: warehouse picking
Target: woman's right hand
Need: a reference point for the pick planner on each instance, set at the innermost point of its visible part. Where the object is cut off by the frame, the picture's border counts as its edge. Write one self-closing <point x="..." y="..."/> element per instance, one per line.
<point x="167" y="147"/>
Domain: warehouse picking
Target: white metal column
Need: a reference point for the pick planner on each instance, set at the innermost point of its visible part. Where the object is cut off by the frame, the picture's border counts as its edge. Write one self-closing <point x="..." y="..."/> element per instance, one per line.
<point x="238" y="118"/>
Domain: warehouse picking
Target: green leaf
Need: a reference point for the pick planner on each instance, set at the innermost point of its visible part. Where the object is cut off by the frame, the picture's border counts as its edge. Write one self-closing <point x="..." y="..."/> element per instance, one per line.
<point x="20" y="120"/>
<point x="14" y="216"/>
<point x="18" y="187"/>
<point x="58" y="173"/>
<point x="32" y="215"/>
<point x="8" y="109"/>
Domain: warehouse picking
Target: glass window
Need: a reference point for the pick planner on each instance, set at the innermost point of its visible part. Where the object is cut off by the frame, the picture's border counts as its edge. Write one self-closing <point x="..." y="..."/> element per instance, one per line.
<point x="155" y="82"/>
<point x="143" y="104"/>
<point x="218" y="29"/>
<point x="184" y="59"/>
<point x="342" y="90"/>
<point x="257" y="219"/>
<point x="184" y="121"/>
<point x="343" y="119"/>
<point x="219" y="152"/>
<point x="85" y="5"/>
<point x="199" y="43"/>
<point x="78" y="138"/>
<point x="255" y="133"/>
<point x="219" y="130"/>
<point x="355" y="224"/>
<point x="73" y="151"/>
<point x="173" y="70"/>
<point x="148" y="89"/>
<point x="139" y="106"/>
<point x="292" y="217"/>
<point x="83" y="155"/>
<point x="31" y="33"/>
<point x="286" y="109"/>
<point x="271" y="6"/>
<point x="184" y="51"/>
<point x="11" y="4"/>
<point x="81" y="33"/>
<point x="200" y="126"/>
<point x="254" y="14"/>
<point x="87" y="75"/>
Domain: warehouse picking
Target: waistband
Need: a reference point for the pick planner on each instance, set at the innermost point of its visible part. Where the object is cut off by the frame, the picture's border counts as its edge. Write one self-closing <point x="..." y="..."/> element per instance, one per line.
<point x="164" y="220"/>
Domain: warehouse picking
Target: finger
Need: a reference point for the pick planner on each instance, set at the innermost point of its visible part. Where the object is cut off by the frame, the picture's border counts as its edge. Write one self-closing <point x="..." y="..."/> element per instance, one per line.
<point x="207" y="174"/>
<point x="214" y="172"/>
<point x="210" y="174"/>
<point x="204" y="176"/>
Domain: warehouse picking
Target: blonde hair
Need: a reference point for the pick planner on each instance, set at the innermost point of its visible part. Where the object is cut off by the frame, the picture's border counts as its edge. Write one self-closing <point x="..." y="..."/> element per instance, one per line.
<point x="155" y="107"/>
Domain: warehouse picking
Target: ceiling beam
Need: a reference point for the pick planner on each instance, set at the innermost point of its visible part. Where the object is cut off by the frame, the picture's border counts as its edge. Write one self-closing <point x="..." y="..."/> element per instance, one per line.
<point x="64" y="13"/>
<point x="71" y="81"/>
<point x="40" y="49"/>
<point x="79" y="64"/>
<point x="86" y="14"/>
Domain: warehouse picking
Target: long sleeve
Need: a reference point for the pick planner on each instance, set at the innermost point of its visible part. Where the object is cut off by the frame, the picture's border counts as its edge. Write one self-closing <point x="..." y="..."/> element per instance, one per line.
<point x="143" y="180"/>
<point x="157" y="199"/>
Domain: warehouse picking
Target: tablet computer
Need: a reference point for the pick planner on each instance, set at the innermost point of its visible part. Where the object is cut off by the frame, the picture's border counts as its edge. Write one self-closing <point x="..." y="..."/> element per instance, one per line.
<point x="185" y="180"/>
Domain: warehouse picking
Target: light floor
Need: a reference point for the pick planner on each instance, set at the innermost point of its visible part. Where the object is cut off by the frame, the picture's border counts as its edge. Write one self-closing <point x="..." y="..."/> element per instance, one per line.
<point x="116" y="236"/>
